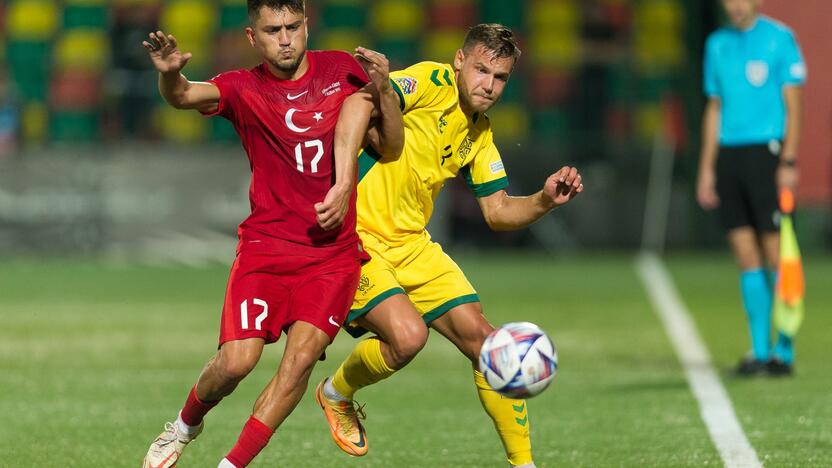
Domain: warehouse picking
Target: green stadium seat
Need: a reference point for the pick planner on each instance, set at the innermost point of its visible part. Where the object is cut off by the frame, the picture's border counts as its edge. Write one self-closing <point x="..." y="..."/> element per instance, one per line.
<point x="29" y="67"/>
<point x="222" y="131"/>
<point x="343" y="15"/>
<point x="82" y="49"/>
<point x="73" y="90"/>
<point x="31" y="20"/>
<point x="504" y="12"/>
<point x="397" y="18"/>
<point x="401" y="52"/>
<point x="447" y="14"/>
<point x="85" y="16"/>
<point x="233" y="14"/>
<point x="74" y="126"/>
<point x="441" y="46"/>
<point x="551" y="124"/>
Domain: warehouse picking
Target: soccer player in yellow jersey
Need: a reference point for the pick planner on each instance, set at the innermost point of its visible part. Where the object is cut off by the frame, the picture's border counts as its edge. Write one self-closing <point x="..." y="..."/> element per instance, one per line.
<point x="410" y="283"/>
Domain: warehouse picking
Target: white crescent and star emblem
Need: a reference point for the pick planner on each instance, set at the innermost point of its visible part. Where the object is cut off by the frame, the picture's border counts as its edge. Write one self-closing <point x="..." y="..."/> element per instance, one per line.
<point x="292" y="125"/>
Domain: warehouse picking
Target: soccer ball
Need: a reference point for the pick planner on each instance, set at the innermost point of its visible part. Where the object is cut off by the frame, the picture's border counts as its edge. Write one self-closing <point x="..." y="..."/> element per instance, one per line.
<point x="518" y="360"/>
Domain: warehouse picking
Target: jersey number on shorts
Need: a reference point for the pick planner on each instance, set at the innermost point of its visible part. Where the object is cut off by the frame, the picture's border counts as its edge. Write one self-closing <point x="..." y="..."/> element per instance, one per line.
<point x="318" y="145"/>
<point x="257" y="320"/>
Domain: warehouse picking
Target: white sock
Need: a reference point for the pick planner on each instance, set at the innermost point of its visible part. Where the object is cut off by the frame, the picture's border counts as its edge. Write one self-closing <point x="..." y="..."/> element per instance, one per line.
<point x="184" y="428"/>
<point x="331" y="393"/>
<point x="224" y="463"/>
<point x="527" y="465"/>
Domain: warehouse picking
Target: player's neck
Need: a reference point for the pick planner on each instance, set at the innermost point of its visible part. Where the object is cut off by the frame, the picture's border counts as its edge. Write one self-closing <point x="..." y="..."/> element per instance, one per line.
<point x="748" y="23"/>
<point x="291" y="76"/>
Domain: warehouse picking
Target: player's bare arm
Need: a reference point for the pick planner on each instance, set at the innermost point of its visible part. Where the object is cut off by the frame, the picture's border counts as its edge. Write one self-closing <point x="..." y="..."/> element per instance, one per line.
<point x="387" y="133"/>
<point x="787" y="173"/>
<point x="174" y="87"/>
<point x="506" y="213"/>
<point x="376" y="99"/>
<point x="706" y="182"/>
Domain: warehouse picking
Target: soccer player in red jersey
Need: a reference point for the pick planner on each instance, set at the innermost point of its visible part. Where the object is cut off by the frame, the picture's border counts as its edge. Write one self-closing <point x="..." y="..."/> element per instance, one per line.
<point x="298" y="257"/>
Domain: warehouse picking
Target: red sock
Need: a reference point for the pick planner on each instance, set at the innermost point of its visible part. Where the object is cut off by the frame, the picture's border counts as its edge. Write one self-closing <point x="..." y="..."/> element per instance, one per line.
<point x="194" y="409"/>
<point x="254" y="437"/>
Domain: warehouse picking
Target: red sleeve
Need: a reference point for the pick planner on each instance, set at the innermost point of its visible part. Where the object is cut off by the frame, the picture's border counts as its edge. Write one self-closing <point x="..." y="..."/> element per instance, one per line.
<point x="355" y="75"/>
<point x="229" y="84"/>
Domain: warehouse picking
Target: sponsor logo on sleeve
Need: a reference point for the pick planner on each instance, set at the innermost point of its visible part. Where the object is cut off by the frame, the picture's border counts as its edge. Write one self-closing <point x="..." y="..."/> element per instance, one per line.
<point x="407" y="85"/>
<point x="496" y="166"/>
<point x="797" y="71"/>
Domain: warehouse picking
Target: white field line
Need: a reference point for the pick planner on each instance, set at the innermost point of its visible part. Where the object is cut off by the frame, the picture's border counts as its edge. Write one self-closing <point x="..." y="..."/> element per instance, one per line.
<point x="714" y="403"/>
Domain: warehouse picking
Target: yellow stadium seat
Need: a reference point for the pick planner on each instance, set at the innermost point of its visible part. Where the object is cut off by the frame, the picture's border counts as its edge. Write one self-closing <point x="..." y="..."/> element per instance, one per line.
<point x="510" y="122"/>
<point x="648" y="119"/>
<point x="397" y="18"/>
<point x="659" y="14"/>
<point x="32" y="20"/>
<point x="35" y="122"/>
<point x="343" y="39"/>
<point x="442" y="45"/>
<point x="547" y="14"/>
<point x="189" y="19"/>
<point x="179" y="126"/>
<point x="659" y="50"/>
<point x="82" y="49"/>
<point x="555" y="48"/>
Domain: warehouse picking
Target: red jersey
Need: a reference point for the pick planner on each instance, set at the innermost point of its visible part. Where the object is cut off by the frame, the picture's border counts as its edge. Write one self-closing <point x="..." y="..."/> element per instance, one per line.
<point x="287" y="129"/>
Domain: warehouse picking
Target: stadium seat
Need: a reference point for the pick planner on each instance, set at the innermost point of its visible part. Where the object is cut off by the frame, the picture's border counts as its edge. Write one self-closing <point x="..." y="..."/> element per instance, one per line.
<point x="31" y="20"/>
<point x="82" y="49"/>
<point x="400" y="52"/>
<point x="85" y="14"/>
<point x="551" y="86"/>
<point x="233" y="15"/>
<point x="180" y="127"/>
<point x="457" y="14"/>
<point x="504" y="12"/>
<point x="74" y="126"/>
<point x="75" y="89"/>
<point x="441" y="46"/>
<point x="29" y="67"/>
<point x="232" y="51"/>
<point x="551" y="124"/>
<point x="397" y="18"/>
<point x="35" y="122"/>
<point x="510" y="122"/>
<point x="555" y="47"/>
<point x="343" y="15"/>
<point x="547" y="15"/>
<point x="342" y="39"/>
<point x="193" y="22"/>
<point x="648" y="117"/>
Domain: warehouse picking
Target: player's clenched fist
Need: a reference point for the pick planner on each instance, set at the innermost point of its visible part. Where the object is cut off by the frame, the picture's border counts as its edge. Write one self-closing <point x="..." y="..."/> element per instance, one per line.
<point x="563" y="185"/>
<point x="164" y="52"/>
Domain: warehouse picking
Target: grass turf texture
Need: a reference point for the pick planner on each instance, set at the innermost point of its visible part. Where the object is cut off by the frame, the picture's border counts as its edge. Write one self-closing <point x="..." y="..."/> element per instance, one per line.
<point x="94" y="359"/>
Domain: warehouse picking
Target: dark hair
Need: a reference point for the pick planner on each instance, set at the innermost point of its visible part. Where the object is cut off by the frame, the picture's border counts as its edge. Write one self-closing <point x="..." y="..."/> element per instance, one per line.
<point x="495" y="37"/>
<point x="254" y="6"/>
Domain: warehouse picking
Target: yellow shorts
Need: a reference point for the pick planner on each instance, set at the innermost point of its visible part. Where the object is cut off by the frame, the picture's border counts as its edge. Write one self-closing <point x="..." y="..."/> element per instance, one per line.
<point x="420" y="268"/>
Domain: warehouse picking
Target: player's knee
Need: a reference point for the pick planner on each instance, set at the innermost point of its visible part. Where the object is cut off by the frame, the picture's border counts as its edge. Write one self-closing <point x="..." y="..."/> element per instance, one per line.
<point x="409" y="340"/>
<point x="475" y="339"/>
<point x="234" y="368"/>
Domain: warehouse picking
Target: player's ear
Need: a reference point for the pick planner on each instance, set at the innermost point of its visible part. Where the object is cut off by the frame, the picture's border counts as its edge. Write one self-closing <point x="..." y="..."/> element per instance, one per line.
<point x="458" y="59"/>
<point x="251" y="38"/>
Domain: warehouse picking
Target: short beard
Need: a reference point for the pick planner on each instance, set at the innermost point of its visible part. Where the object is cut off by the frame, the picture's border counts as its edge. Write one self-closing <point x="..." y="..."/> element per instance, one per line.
<point x="292" y="67"/>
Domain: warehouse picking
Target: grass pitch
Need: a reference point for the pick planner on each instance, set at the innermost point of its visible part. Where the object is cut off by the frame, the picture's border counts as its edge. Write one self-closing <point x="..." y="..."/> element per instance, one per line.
<point x="95" y="358"/>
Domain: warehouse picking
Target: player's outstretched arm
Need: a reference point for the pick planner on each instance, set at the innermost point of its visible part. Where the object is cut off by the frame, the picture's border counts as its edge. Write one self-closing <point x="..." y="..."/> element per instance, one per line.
<point x="506" y="213"/>
<point x="173" y="86"/>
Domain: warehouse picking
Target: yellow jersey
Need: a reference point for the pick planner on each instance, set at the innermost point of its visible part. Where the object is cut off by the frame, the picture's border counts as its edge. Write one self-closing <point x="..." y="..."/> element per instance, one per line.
<point x="395" y="197"/>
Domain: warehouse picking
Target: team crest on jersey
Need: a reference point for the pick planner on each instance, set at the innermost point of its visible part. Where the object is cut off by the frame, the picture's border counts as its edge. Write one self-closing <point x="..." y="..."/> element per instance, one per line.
<point x="407" y="85"/>
<point x="756" y="71"/>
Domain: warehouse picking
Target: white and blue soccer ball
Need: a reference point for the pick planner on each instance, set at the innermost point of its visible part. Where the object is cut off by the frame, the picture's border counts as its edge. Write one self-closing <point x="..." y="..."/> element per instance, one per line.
<point x="518" y="360"/>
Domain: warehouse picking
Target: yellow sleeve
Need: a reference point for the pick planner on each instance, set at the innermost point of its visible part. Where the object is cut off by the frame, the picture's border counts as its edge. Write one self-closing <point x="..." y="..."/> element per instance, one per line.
<point x="485" y="173"/>
<point x="423" y="84"/>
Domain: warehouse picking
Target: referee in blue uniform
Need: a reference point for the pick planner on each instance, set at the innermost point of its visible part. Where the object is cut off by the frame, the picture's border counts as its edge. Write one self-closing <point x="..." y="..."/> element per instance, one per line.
<point x="754" y="72"/>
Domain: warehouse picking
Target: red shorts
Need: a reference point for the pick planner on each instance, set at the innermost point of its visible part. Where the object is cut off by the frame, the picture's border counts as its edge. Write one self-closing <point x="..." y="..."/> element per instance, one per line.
<point x="268" y="292"/>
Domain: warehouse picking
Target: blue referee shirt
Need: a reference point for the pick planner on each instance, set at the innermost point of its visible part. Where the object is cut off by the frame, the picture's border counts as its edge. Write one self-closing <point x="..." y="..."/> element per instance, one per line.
<point x="747" y="70"/>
